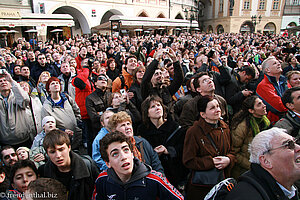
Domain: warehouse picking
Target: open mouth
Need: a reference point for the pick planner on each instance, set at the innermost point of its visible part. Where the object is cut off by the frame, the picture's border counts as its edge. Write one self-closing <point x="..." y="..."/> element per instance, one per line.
<point x="298" y="160"/>
<point x="59" y="161"/>
<point x="126" y="165"/>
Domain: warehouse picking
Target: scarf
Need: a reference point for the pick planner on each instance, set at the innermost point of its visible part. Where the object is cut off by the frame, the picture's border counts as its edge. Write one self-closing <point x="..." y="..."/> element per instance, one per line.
<point x="135" y="150"/>
<point x="256" y="122"/>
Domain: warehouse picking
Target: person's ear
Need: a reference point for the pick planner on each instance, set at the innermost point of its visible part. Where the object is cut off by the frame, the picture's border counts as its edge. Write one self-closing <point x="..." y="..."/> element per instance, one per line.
<point x="290" y="106"/>
<point x="107" y="164"/>
<point x="251" y="111"/>
<point x="203" y="115"/>
<point x="198" y="90"/>
<point x="2" y="177"/>
<point x="265" y="162"/>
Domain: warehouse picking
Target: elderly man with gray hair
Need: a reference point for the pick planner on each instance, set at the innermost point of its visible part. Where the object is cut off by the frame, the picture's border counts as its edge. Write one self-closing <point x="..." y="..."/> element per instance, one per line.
<point x="275" y="167"/>
<point x="271" y="89"/>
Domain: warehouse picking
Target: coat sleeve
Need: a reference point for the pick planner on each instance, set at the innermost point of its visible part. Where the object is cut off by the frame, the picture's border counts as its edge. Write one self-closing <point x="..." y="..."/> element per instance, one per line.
<point x="154" y="161"/>
<point x="91" y="110"/>
<point x="97" y="156"/>
<point x="21" y="97"/>
<point x="165" y="189"/>
<point x="178" y="78"/>
<point x="75" y="107"/>
<point x="147" y="78"/>
<point x="116" y="85"/>
<point x="238" y="137"/>
<point x="188" y="115"/>
<point x="269" y="96"/>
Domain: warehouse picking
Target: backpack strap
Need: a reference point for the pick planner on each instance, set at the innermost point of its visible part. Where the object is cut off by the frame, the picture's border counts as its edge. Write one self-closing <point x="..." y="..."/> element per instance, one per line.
<point x="123" y="85"/>
<point x="256" y="185"/>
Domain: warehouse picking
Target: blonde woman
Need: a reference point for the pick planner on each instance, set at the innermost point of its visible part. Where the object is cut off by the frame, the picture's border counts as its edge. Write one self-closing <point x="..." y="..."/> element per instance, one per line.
<point x="40" y="90"/>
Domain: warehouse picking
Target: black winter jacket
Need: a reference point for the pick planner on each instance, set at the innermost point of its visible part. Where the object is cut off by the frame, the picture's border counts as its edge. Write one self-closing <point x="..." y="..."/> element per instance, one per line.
<point x="83" y="177"/>
<point x="247" y="191"/>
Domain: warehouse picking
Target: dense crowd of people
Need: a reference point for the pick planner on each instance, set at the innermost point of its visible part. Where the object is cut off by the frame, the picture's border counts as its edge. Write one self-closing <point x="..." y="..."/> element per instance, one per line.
<point x="145" y="117"/>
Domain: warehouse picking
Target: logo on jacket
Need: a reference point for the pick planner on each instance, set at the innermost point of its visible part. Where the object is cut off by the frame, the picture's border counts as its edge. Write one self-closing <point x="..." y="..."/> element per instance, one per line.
<point x="111" y="197"/>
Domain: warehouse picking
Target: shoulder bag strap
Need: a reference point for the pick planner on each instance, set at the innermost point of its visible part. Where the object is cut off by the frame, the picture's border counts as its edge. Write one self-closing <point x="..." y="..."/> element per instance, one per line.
<point x="174" y="132"/>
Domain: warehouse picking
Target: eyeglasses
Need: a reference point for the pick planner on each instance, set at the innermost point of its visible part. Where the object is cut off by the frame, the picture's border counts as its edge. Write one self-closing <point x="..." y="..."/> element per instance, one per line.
<point x="290" y="144"/>
<point x="207" y="80"/>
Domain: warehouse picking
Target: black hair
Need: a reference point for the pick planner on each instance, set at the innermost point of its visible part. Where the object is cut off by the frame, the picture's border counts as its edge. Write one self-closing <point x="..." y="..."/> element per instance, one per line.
<point x="22" y="164"/>
<point x="249" y="71"/>
<point x="287" y="96"/>
<point x="111" y="138"/>
<point x="197" y="77"/>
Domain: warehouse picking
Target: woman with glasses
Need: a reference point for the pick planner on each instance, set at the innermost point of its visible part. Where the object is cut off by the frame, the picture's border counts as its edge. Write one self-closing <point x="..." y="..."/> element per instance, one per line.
<point x="207" y="146"/>
<point x="247" y="123"/>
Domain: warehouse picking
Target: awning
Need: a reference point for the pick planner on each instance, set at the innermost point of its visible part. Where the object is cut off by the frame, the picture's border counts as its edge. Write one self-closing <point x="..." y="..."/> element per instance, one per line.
<point x="146" y="22"/>
<point x="33" y="19"/>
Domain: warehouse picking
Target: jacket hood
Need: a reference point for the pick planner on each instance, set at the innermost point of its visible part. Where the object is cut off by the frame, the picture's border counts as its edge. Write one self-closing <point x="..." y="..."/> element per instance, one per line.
<point x="140" y="170"/>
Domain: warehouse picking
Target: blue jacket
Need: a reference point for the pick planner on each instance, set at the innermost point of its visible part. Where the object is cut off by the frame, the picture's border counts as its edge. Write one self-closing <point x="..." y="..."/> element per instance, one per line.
<point x="144" y="184"/>
<point x="96" y="149"/>
<point x="148" y="154"/>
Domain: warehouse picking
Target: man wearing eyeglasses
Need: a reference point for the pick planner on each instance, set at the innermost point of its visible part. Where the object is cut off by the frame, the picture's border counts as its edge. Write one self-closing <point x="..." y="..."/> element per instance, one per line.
<point x="275" y="167"/>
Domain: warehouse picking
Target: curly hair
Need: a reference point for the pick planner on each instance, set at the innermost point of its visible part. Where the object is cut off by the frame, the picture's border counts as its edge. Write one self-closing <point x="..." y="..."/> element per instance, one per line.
<point x="117" y="118"/>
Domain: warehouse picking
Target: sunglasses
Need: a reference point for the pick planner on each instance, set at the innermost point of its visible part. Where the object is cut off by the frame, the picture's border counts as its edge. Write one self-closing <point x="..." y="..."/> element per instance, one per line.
<point x="290" y="144"/>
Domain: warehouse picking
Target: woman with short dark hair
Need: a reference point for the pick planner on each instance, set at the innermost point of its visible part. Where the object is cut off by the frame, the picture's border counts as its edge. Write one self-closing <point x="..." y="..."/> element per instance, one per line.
<point x="207" y="146"/>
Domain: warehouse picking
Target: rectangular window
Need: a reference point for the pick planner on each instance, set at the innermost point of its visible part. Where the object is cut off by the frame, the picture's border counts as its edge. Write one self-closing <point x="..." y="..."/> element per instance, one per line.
<point x="247" y="4"/>
<point x="275" y="4"/>
<point x="261" y="5"/>
<point x="221" y="5"/>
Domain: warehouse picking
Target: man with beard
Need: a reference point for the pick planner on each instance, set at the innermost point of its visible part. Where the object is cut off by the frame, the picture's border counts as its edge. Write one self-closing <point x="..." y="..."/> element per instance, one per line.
<point x="41" y="66"/>
<point x="96" y="103"/>
<point x="66" y="80"/>
<point x="9" y="158"/>
<point x="153" y="80"/>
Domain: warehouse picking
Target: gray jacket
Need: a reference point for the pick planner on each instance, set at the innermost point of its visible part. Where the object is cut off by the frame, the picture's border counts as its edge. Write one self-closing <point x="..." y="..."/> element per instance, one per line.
<point x="290" y="122"/>
<point x="16" y="119"/>
<point x="66" y="118"/>
<point x="71" y="88"/>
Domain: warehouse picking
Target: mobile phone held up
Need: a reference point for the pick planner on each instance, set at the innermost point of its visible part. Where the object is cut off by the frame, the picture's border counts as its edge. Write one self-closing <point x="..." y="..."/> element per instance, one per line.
<point x="2" y="71"/>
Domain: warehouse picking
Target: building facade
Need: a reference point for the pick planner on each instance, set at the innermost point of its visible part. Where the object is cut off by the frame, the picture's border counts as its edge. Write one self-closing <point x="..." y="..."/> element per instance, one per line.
<point x="239" y="15"/>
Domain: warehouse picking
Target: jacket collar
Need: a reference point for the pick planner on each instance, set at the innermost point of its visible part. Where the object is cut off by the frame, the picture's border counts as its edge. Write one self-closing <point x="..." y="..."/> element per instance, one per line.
<point x="207" y="128"/>
<point x="62" y="95"/>
<point x="78" y="168"/>
<point x="272" y="79"/>
<point x="139" y="172"/>
<point x="267" y="181"/>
